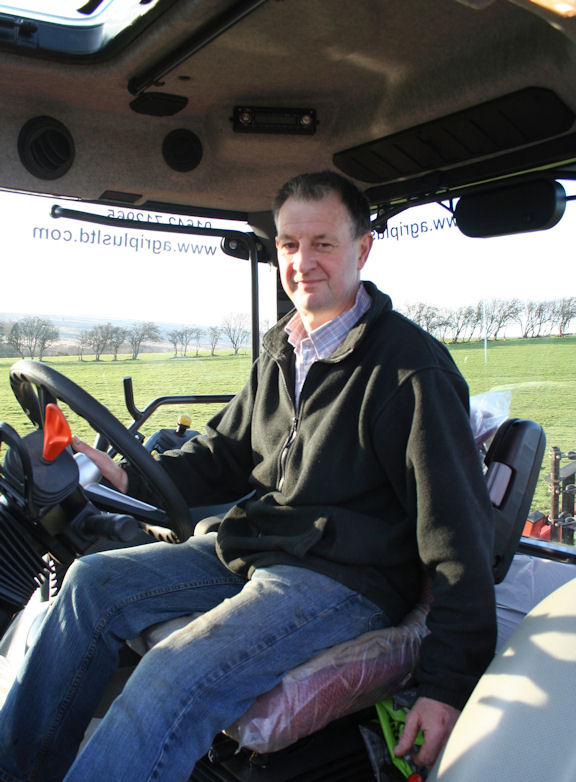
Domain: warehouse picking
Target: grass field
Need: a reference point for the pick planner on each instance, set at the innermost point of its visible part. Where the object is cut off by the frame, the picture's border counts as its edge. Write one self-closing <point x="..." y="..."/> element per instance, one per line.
<point x="153" y="375"/>
<point x="540" y="374"/>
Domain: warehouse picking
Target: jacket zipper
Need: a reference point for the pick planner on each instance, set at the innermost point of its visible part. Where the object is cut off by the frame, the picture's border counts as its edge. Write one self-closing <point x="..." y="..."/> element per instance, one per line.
<point x="286" y="450"/>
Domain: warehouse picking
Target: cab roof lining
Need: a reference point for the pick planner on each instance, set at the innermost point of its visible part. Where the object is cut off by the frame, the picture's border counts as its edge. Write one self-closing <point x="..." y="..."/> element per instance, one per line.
<point x="372" y="71"/>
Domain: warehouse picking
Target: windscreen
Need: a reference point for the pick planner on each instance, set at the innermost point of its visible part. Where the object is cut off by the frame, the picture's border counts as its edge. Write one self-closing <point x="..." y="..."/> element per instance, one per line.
<point x="172" y="312"/>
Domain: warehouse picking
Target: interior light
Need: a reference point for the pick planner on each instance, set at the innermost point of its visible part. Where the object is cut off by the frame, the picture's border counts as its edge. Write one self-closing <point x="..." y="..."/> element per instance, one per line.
<point x="561" y="7"/>
<point x="259" y="119"/>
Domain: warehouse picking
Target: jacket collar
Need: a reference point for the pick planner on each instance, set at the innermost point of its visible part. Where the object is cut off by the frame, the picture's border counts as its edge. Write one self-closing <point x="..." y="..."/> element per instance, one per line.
<point x="275" y="341"/>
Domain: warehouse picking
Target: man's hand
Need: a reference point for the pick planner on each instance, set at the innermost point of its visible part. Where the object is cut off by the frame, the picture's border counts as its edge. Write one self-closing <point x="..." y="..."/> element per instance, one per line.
<point x="107" y="466"/>
<point x="435" y="720"/>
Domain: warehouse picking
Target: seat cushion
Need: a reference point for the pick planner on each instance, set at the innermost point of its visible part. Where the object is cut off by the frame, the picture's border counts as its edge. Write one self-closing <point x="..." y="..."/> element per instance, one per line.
<point x="339" y="681"/>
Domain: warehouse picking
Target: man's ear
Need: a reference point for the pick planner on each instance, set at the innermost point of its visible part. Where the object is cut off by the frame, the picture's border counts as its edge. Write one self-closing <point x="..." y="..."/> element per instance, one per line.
<point x="364" y="246"/>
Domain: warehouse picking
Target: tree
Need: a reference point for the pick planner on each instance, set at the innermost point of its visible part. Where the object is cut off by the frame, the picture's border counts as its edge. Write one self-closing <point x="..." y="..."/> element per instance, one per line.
<point x="15" y="339"/>
<point x="47" y="335"/>
<point x="98" y="339"/>
<point x="461" y="322"/>
<point x="174" y="338"/>
<point x="235" y="329"/>
<point x="117" y="338"/>
<point x="139" y="333"/>
<point x="214" y="334"/>
<point x="499" y="313"/>
<point x="32" y="336"/>
<point x="442" y="325"/>
<point x="564" y="313"/>
<point x="534" y="317"/>
<point x="83" y="344"/>
<point x="197" y="334"/>
<point x="425" y="315"/>
<point x="531" y="319"/>
<point x="475" y="321"/>
<point x="185" y="338"/>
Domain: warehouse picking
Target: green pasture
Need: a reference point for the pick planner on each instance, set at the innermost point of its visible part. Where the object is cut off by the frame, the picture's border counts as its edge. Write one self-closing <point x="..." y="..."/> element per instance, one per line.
<point x="541" y="377"/>
<point x="540" y="374"/>
<point x="153" y="375"/>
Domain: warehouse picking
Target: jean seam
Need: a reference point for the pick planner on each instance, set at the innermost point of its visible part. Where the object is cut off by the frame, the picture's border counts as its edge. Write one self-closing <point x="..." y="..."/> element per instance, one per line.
<point x="259" y="650"/>
<point x="95" y="637"/>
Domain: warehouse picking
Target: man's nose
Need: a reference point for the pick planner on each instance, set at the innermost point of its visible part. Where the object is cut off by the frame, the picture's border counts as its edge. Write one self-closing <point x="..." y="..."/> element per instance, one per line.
<point x="304" y="260"/>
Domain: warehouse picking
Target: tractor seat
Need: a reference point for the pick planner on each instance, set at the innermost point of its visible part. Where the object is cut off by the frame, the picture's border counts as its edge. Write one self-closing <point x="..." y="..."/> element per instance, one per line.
<point x="359" y="673"/>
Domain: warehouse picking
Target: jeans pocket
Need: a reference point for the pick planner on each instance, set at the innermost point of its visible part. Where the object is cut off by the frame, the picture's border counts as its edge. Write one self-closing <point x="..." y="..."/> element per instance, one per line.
<point x="377" y="619"/>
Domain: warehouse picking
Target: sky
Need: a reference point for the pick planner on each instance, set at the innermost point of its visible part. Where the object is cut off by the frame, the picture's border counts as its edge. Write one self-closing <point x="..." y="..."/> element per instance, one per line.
<point x="446" y="268"/>
<point x="60" y="266"/>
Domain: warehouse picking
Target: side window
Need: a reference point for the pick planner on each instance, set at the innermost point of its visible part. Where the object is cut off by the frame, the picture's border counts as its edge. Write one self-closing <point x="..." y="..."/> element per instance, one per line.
<point x="506" y="311"/>
<point x="101" y="303"/>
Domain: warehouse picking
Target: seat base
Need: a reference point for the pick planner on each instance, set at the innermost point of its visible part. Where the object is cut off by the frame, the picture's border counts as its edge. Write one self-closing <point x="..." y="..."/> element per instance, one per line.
<point x="335" y="754"/>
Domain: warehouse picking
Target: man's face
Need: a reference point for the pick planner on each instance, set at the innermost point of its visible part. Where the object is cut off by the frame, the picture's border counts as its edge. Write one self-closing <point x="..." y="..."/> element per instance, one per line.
<point x="319" y="261"/>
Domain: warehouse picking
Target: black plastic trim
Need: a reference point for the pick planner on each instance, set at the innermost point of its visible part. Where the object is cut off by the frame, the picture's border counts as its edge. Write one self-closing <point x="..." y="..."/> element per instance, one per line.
<point x="439" y="185"/>
<point x="509" y="122"/>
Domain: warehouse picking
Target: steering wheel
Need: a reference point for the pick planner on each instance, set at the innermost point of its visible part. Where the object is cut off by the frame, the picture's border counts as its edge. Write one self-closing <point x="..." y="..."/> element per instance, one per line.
<point x="36" y="384"/>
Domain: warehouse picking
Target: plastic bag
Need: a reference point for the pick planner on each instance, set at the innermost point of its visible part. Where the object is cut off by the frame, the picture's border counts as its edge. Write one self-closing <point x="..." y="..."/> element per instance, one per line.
<point x="487" y="412"/>
<point x="342" y="680"/>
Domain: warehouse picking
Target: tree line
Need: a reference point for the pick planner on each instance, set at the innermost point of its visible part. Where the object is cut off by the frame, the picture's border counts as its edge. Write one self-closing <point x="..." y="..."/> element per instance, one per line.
<point x="33" y="336"/>
<point x="29" y="337"/>
<point x="492" y="318"/>
<point x="234" y="328"/>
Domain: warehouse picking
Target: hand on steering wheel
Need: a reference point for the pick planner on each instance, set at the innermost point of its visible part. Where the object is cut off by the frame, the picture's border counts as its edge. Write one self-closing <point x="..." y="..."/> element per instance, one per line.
<point x="36" y="384"/>
<point x="107" y="466"/>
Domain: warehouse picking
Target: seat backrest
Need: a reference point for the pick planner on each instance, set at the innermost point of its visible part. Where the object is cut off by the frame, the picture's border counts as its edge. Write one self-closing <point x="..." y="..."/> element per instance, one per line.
<point x="513" y="464"/>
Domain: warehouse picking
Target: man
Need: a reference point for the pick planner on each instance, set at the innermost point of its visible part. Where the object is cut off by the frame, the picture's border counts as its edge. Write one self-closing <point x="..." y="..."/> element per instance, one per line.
<point x="351" y="440"/>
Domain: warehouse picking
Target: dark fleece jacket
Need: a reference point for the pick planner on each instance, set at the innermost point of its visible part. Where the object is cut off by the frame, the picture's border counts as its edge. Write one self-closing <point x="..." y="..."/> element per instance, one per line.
<point x="373" y="480"/>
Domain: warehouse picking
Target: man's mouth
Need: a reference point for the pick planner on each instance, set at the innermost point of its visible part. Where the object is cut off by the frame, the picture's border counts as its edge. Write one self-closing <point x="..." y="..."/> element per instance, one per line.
<point x="304" y="283"/>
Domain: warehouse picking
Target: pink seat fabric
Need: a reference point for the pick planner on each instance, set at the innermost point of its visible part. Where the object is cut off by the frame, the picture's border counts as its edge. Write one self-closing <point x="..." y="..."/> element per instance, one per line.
<point x="342" y="680"/>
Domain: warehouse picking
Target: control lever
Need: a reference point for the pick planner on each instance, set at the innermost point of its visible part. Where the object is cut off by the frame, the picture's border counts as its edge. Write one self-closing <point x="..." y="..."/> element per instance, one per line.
<point x="113" y="526"/>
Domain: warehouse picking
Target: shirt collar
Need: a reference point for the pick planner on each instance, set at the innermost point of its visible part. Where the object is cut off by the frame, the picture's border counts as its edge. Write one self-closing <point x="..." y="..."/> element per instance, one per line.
<point x="330" y="335"/>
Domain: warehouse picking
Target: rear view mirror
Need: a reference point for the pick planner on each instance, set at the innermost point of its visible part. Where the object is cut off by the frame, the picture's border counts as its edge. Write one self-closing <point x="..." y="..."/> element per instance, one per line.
<point x="531" y="206"/>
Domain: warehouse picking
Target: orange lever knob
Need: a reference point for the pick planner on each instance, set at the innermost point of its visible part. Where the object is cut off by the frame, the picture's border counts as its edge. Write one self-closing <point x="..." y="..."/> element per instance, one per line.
<point x="57" y="434"/>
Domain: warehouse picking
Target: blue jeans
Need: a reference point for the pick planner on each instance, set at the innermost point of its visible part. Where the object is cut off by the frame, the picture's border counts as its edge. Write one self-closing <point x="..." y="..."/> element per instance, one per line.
<point x="187" y="688"/>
